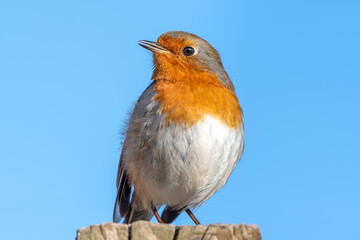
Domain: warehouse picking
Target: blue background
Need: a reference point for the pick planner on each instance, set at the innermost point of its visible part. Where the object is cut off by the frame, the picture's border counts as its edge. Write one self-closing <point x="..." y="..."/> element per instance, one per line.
<point x="70" y="70"/>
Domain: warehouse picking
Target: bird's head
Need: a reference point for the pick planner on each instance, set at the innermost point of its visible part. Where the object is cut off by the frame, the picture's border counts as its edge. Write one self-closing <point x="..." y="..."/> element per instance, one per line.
<point x="178" y="55"/>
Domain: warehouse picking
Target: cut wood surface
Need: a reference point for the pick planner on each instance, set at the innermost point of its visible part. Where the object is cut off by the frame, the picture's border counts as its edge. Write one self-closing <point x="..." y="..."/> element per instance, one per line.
<point x="142" y="230"/>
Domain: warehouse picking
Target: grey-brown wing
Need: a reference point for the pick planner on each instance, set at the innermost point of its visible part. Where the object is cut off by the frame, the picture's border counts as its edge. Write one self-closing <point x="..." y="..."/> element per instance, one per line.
<point x="122" y="203"/>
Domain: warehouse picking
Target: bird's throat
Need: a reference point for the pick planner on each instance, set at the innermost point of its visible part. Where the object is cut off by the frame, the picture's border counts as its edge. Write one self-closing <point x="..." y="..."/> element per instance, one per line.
<point x="187" y="99"/>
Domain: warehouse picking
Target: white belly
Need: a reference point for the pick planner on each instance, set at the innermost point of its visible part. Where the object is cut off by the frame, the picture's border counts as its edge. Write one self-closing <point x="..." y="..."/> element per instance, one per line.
<point x="185" y="167"/>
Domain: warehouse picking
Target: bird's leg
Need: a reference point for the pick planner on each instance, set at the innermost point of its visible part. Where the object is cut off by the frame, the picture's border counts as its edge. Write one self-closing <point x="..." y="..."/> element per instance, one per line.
<point x="191" y="215"/>
<point x="156" y="214"/>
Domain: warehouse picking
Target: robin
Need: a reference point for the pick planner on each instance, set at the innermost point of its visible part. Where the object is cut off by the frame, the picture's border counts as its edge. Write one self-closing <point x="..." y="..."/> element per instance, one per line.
<point x="185" y="133"/>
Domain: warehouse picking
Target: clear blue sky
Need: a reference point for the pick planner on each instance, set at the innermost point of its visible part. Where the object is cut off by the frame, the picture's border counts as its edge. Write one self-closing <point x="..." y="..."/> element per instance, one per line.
<point x="70" y="70"/>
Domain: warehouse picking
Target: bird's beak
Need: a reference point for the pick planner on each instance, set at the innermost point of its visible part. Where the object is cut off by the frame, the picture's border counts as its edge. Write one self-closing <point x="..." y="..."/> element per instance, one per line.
<point x="153" y="46"/>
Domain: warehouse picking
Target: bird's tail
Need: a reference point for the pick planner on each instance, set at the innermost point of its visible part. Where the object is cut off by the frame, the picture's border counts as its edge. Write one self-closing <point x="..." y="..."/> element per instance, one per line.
<point x="137" y="211"/>
<point x="170" y="214"/>
<point x="130" y="211"/>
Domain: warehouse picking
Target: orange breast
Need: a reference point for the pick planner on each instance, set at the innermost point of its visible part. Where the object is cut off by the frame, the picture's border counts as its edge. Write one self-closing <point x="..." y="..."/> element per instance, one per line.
<point x="189" y="99"/>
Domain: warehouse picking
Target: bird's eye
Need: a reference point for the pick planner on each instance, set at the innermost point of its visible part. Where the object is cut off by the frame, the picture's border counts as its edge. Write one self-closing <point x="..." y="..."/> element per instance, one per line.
<point x="188" y="51"/>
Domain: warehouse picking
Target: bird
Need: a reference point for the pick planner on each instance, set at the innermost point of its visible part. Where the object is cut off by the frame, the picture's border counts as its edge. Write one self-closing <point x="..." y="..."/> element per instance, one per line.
<point x="184" y="136"/>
